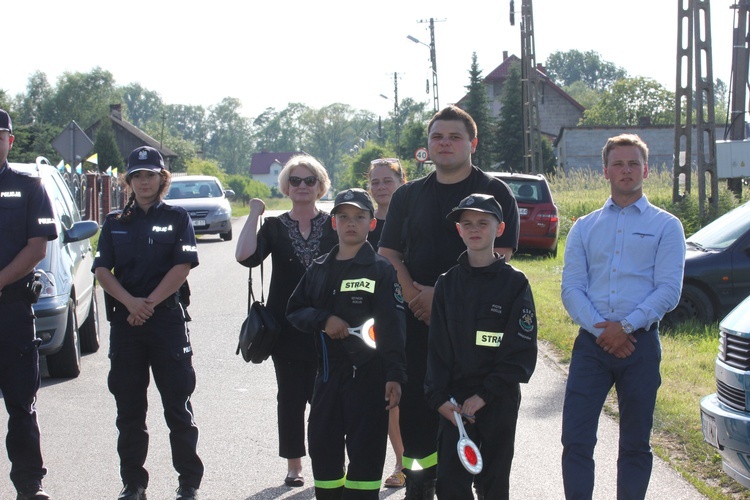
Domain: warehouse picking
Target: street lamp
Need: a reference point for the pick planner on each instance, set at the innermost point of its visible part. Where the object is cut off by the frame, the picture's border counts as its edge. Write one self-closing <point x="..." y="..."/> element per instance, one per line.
<point x="431" y="46"/>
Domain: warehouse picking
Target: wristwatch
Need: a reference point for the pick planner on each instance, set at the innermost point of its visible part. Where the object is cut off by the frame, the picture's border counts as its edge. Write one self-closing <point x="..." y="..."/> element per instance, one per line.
<point x="627" y="327"/>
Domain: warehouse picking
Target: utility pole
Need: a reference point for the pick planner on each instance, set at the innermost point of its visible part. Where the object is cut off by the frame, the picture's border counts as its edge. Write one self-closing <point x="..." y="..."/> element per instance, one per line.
<point x="433" y="60"/>
<point x="694" y="16"/>
<point x="738" y="90"/>
<point x="532" y="134"/>
<point x="396" y="117"/>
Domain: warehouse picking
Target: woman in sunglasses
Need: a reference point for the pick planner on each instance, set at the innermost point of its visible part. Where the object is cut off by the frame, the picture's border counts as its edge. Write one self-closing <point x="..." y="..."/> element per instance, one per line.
<point x="384" y="177"/>
<point x="293" y="239"/>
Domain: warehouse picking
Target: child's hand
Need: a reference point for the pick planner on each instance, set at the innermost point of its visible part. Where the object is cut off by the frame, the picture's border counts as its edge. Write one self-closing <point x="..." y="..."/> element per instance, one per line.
<point x="392" y="394"/>
<point x="421" y="305"/>
<point x="447" y="409"/>
<point x="336" y="328"/>
<point x="471" y="406"/>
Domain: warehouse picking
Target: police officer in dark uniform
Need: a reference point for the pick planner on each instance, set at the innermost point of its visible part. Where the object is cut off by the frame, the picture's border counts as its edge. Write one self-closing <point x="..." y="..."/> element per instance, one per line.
<point x="145" y="254"/>
<point x="26" y="224"/>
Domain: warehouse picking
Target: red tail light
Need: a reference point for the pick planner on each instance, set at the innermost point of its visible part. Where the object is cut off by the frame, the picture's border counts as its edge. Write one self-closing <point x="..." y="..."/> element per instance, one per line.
<point x="547" y="215"/>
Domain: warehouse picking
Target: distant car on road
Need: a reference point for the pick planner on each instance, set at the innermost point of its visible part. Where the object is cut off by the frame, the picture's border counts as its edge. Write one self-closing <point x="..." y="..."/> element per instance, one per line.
<point x="67" y="319"/>
<point x="206" y="201"/>
<point x="725" y="415"/>
<point x="540" y="228"/>
<point x="717" y="269"/>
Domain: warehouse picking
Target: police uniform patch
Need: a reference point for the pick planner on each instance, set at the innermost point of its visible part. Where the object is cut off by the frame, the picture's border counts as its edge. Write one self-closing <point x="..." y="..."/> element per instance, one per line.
<point x="526" y="322"/>
<point x="398" y="293"/>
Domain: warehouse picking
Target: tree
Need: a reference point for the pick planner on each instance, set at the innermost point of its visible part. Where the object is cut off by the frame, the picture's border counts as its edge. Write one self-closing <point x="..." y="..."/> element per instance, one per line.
<point x="197" y="166"/>
<point x="477" y="104"/>
<point x="105" y="146"/>
<point x="187" y="122"/>
<point x="228" y="133"/>
<point x="629" y="100"/>
<point x="83" y="97"/>
<point x="279" y="131"/>
<point x="509" y="140"/>
<point x="583" y="94"/>
<point x="142" y="104"/>
<point x="565" y="68"/>
<point x="38" y="92"/>
<point x="332" y="131"/>
<point x="34" y="140"/>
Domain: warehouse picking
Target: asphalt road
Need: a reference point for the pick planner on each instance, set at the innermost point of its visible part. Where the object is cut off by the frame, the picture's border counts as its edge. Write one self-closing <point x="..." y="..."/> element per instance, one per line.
<point x="235" y="409"/>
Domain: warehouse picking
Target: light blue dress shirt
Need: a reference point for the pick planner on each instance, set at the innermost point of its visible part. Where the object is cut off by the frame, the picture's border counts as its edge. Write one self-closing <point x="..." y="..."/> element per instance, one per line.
<point x="623" y="263"/>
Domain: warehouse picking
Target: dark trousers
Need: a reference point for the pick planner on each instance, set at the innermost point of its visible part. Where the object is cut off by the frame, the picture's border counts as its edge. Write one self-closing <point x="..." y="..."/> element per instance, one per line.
<point x="418" y="422"/>
<point x="592" y="374"/>
<point x="494" y="432"/>
<point x="19" y="382"/>
<point x="348" y="412"/>
<point x="295" y="380"/>
<point x="163" y="345"/>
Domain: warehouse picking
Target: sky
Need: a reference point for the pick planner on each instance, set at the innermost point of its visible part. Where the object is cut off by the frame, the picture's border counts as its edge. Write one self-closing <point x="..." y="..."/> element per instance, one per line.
<point x="268" y="54"/>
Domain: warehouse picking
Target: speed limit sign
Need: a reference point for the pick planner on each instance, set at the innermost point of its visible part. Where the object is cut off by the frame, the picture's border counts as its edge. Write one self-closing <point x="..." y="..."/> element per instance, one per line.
<point x="421" y="154"/>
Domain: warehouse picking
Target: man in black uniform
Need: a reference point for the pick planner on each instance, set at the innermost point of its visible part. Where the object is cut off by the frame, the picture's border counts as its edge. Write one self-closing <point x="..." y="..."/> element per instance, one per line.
<point x="26" y="224"/>
<point x="421" y="244"/>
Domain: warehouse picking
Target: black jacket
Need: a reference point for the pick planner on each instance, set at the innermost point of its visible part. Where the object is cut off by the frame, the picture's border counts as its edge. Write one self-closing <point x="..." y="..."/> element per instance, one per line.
<point x="483" y="333"/>
<point x="355" y="290"/>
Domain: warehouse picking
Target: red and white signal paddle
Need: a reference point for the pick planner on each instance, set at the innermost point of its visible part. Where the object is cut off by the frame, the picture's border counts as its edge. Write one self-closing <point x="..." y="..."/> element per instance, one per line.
<point x="468" y="451"/>
<point x="366" y="332"/>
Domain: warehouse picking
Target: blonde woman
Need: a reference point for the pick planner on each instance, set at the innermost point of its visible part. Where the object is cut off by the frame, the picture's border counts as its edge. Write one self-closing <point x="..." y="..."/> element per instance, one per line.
<point x="293" y="239"/>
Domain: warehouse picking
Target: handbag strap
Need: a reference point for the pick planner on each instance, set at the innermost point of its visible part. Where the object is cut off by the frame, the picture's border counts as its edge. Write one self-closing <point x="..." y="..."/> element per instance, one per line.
<point x="250" y="293"/>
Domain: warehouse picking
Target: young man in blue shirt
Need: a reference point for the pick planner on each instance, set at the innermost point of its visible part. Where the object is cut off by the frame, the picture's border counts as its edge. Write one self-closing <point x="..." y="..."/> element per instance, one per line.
<point x="623" y="271"/>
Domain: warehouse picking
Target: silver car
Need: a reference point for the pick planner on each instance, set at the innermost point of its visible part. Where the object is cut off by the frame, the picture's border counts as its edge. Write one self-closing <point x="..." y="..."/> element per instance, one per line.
<point x="206" y="201"/>
<point x="66" y="313"/>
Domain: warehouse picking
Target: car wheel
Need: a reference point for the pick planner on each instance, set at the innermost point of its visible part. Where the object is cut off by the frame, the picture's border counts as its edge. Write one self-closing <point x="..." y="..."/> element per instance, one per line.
<point x="694" y="305"/>
<point x="227" y="236"/>
<point x="66" y="363"/>
<point x="90" y="328"/>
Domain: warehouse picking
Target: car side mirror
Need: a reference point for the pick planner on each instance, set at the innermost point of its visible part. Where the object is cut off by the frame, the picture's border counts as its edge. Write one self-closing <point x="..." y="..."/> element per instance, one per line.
<point x="81" y="230"/>
<point x="229" y="194"/>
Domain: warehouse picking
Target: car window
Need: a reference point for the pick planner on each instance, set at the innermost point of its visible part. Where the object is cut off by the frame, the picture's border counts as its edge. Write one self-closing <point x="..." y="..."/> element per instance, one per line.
<point x="525" y="190"/>
<point x="193" y="189"/>
<point x="725" y="230"/>
<point x="61" y="199"/>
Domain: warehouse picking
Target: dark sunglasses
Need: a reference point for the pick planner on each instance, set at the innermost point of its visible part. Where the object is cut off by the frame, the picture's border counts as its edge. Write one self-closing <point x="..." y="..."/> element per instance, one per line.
<point x="309" y="181"/>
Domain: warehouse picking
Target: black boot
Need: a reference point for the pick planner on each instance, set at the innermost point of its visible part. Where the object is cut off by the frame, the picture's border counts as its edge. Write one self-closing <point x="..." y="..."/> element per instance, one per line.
<point x="329" y="494"/>
<point x="414" y="484"/>
<point x="429" y="483"/>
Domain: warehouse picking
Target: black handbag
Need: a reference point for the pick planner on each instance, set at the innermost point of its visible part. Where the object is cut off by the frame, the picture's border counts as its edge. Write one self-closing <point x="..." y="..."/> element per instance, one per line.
<point x="260" y="330"/>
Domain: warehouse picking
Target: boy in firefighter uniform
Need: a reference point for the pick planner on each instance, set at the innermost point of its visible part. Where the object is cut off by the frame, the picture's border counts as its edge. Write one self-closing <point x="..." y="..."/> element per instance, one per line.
<point x="355" y="385"/>
<point x="482" y="345"/>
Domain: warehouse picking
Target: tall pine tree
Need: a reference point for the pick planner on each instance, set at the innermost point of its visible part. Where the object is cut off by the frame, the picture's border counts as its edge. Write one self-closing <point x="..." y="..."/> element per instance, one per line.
<point x="509" y="137"/>
<point x="477" y="104"/>
<point x="106" y="148"/>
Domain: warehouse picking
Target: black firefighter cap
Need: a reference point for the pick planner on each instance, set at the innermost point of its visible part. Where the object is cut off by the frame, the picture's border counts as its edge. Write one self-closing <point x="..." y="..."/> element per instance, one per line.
<point x="356" y="197"/>
<point x="5" y="123"/>
<point x="144" y="158"/>
<point x="478" y="203"/>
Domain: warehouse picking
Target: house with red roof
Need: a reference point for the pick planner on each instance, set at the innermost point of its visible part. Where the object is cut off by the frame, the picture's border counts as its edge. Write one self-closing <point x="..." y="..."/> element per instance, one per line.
<point x="265" y="166"/>
<point x="557" y="109"/>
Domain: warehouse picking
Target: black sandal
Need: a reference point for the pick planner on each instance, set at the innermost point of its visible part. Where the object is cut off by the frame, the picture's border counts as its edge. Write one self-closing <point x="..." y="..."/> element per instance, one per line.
<point x="294" y="482"/>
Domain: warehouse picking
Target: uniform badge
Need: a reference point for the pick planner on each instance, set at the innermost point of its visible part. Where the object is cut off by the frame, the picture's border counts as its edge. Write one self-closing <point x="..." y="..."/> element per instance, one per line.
<point x="397" y="293"/>
<point x="349" y="195"/>
<point x="143" y="154"/>
<point x="526" y="322"/>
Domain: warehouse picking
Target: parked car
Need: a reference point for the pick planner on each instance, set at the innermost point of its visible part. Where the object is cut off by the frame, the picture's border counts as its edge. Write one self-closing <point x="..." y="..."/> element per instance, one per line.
<point x="206" y="201"/>
<point x="540" y="226"/>
<point x="717" y="268"/>
<point x="67" y="320"/>
<point x="725" y="415"/>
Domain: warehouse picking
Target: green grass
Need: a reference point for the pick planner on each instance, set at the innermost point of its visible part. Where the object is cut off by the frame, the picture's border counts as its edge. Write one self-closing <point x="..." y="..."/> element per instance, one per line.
<point x="688" y="351"/>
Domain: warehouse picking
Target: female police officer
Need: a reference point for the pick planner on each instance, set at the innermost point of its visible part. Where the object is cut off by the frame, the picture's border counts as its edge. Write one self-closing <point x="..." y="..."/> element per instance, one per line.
<point x="145" y="254"/>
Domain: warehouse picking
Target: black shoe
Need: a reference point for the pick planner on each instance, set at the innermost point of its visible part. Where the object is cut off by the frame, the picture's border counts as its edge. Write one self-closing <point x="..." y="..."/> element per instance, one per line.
<point x="35" y="492"/>
<point x="187" y="493"/>
<point x="133" y="492"/>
